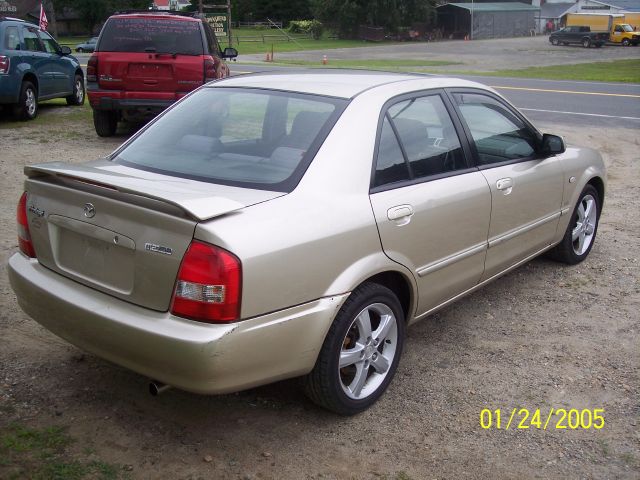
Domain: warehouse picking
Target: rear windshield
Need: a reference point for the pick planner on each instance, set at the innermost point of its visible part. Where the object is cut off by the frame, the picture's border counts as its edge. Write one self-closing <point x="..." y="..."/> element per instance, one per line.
<point x="233" y="136"/>
<point x="161" y="35"/>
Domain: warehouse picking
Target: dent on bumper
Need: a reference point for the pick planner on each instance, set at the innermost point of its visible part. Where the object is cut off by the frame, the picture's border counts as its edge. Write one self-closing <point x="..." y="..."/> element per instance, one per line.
<point x="193" y="356"/>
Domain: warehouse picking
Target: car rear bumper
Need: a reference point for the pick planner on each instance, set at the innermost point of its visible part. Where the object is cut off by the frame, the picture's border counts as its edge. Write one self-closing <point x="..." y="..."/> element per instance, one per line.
<point x="9" y="89"/>
<point x="193" y="356"/>
<point x="131" y="100"/>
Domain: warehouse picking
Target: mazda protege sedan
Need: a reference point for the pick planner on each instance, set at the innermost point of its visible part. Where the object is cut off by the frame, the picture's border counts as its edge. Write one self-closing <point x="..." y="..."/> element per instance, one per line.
<point x="276" y="226"/>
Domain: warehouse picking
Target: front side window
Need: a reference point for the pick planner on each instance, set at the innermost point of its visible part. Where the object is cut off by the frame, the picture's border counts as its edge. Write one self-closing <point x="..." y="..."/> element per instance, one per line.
<point x="242" y="137"/>
<point x="31" y="40"/>
<point x="11" y="38"/>
<point x="50" y="45"/>
<point x="498" y="134"/>
<point x="417" y="140"/>
<point x="153" y="35"/>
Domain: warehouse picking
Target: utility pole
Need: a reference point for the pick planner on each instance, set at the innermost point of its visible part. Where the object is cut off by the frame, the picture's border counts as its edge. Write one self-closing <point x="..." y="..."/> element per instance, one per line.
<point x="471" y="32"/>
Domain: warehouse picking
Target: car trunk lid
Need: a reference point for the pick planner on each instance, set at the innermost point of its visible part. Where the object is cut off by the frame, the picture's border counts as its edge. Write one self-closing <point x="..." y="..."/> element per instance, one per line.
<point x="121" y="230"/>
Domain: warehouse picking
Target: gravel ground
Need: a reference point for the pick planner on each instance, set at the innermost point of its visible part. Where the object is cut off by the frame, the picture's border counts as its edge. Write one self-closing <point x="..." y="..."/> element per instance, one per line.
<point x="478" y="55"/>
<point x="544" y="336"/>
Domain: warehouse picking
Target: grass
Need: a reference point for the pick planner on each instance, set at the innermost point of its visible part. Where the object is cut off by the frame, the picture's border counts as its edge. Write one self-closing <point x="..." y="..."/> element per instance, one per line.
<point x="49" y="112"/>
<point x="253" y="41"/>
<point x="627" y="71"/>
<point x="379" y="64"/>
<point x="42" y="454"/>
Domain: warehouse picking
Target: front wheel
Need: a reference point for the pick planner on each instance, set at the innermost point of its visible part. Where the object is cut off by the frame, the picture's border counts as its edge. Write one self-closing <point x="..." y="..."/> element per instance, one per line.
<point x="77" y="97"/>
<point x="626" y="42"/>
<point x="554" y="41"/>
<point x="360" y="354"/>
<point x="79" y="50"/>
<point x="586" y="43"/>
<point x="581" y="231"/>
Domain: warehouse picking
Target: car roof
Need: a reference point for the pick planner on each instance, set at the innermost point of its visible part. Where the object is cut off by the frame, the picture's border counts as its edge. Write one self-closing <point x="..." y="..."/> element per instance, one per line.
<point x="340" y="84"/>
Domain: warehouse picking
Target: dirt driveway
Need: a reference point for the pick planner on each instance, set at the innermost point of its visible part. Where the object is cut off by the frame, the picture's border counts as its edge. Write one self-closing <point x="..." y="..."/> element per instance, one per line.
<point x="478" y="55"/>
<point x="544" y="336"/>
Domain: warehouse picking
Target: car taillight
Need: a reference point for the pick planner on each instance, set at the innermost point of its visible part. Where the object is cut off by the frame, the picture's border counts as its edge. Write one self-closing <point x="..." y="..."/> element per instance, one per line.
<point x="4" y="64"/>
<point x="92" y="68"/>
<point x="208" y="285"/>
<point x="209" y="70"/>
<point x="24" y="237"/>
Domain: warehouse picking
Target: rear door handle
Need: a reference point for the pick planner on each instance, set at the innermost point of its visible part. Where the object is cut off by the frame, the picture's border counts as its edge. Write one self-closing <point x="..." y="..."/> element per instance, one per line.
<point x="505" y="185"/>
<point x="400" y="213"/>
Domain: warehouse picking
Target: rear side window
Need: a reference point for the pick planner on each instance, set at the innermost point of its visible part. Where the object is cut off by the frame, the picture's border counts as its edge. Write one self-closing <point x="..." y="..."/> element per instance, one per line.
<point x="417" y="140"/>
<point x="11" y="38"/>
<point x="31" y="40"/>
<point x="159" y="35"/>
<point x="242" y="137"/>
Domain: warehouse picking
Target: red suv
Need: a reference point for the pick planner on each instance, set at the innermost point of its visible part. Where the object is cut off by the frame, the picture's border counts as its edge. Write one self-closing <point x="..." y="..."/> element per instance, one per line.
<point x="145" y="61"/>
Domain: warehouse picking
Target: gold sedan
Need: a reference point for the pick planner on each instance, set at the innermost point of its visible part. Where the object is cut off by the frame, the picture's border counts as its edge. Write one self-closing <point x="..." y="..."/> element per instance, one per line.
<point x="276" y="226"/>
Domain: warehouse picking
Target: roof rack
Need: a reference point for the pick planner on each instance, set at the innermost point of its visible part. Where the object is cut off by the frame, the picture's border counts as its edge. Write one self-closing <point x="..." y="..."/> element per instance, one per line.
<point x="156" y="12"/>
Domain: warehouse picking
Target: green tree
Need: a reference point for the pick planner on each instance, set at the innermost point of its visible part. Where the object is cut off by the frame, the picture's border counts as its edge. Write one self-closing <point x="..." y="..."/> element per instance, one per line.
<point x="94" y="12"/>
<point x="347" y="15"/>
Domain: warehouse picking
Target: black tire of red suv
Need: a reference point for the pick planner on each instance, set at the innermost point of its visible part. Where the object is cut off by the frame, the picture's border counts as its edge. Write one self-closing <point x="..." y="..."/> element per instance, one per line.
<point x="27" y="107"/>
<point x="105" y="122"/>
<point x="77" y="97"/>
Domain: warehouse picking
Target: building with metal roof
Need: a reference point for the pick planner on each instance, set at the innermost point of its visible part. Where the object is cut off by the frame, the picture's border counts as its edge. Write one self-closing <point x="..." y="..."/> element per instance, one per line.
<point x="487" y="19"/>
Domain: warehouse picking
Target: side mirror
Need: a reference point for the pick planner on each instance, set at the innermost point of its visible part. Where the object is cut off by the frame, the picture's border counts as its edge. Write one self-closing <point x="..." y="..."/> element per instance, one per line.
<point x="552" y="144"/>
<point x="64" y="50"/>
<point x="229" y="52"/>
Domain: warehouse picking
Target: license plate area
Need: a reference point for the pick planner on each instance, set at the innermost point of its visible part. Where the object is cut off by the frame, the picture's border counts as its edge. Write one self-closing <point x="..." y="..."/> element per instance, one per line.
<point x="94" y="254"/>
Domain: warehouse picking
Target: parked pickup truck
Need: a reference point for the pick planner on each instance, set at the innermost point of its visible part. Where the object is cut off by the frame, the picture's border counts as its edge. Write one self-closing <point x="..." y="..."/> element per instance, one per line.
<point x="578" y="34"/>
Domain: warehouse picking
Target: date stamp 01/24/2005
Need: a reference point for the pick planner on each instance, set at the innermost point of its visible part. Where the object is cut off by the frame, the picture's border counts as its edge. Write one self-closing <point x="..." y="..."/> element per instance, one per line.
<point x="542" y="419"/>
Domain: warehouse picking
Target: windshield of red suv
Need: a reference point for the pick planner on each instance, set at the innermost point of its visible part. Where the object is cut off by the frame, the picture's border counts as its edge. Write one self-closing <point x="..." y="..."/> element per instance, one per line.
<point x="152" y="35"/>
<point x="235" y="136"/>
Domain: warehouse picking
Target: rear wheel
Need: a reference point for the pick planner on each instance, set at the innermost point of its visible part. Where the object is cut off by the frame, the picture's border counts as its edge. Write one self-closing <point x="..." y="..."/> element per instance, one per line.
<point x="554" y="41"/>
<point x="581" y="231"/>
<point x="27" y="107"/>
<point x="586" y="43"/>
<point x="77" y="97"/>
<point x="360" y="353"/>
<point x="105" y="122"/>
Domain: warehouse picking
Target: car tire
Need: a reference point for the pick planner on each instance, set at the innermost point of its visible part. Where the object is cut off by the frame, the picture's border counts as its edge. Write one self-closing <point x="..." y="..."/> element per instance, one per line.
<point x="366" y="338"/>
<point x="27" y="107"/>
<point x="586" y="43"/>
<point x="599" y="45"/>
<point x="554" y="41"/>
<point x="625" y="42"/>
<point x="581" y="231"/>
<point x="105" y="122"/>
<point x="77" y="97"/>
<point x="79" y="50"/>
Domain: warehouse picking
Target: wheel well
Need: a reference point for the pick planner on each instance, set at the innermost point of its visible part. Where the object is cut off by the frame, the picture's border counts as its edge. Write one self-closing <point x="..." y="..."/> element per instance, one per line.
<point x="598" y="184"/>
<point x="33" y="79"/>
<point x="79" y="72"/>
<point x="398" y="284"/>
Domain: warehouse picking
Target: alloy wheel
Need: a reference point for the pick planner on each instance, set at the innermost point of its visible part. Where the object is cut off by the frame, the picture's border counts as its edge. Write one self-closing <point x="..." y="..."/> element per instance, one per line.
<point x="368" y="350"/>
<point x="585" y="224"/>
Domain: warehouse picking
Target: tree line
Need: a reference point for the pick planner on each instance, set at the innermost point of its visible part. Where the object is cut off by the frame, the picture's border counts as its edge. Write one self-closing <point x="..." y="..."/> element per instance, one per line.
<point x="343" y="16"/>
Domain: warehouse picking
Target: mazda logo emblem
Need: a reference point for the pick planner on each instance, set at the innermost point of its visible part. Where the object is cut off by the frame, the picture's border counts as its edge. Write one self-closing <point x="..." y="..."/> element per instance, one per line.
<point x="89" y="210"/>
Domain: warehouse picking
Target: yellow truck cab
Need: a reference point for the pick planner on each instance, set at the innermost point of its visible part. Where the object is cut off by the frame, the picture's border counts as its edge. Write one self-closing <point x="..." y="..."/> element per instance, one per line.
<point x="620" y="28"/>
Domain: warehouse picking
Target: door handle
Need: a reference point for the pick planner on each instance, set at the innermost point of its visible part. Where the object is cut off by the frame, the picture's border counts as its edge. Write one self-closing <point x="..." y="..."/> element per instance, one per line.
<point x="401" y="213"/>
<point x="505" y="185"/>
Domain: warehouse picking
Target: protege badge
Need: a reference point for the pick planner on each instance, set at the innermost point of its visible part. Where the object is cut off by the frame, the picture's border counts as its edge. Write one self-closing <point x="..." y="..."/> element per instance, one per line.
<point x="152" y="247"/>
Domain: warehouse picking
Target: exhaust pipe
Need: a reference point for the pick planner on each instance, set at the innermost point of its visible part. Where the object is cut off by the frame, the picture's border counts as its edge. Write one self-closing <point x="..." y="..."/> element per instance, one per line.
<point x="156" y="388"/>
